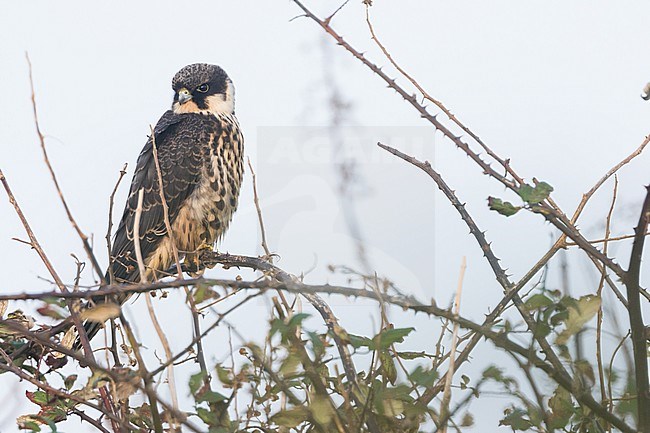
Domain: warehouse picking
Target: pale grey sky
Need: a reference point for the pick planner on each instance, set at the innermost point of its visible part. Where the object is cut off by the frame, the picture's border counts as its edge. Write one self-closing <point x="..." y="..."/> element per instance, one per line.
<point x="553" y="85"/>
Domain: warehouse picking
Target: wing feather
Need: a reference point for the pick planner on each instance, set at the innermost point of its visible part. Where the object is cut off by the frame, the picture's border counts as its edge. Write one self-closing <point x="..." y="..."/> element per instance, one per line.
<point x="181" y="143"/>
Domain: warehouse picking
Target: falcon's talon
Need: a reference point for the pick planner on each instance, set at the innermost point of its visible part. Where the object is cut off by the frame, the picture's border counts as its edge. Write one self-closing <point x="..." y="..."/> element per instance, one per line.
<point x="191" y="263"/>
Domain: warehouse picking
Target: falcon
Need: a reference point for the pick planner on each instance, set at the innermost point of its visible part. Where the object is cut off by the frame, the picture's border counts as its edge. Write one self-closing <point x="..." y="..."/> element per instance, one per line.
<point x="199" y="147"/>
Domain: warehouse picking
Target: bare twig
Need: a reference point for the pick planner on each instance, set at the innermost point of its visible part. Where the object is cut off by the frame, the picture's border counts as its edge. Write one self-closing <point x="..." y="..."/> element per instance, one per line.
<point x="146" y="377"/>
<point x="39" y="250"/>
<point x="256" y="200"/>
<point x="607" y="240"/>
<point x="639" y="337"/>
<point x="599" y="293"/>
<point x="8" y="366"/>
<point x="152" y="314"/>
<point x="551" y="211"/>
<point x="446" y="397"/>
<point x="111" y="202"/>
<point x="559" y="369"/>
<point x="32" y="238"/>
<point x="84" y="238"/>
<point x="45" y="342"/>
<point x="505" y="163"/>
<point x="610" y="173"/>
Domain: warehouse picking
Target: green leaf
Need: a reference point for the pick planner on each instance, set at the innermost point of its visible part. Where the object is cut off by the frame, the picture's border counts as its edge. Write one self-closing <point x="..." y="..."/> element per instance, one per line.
<point x="286" y="326"/>
<point x="69" y="381"/>
<point x="224" y="375"/>
<point x="515" y="418"/>
<point x="538" y="301"/>
<point x="291" y="418"/>
<point x="277" y="325"/>
<point x="210" y="397"/>
<point x="196" y="381"/>
<point x="207" y="416"/>
<point x="414" y="355"/>
<point x="290" y="364"/>
<point x="580" y="312"/>
<point x="493" y="372"/>
<point x="387" y="337"/>
<point x="388" y="366"/>
<point x="358" y="341"/>
<point x="297" y="319"/>
<point x="535" y="195"/>
<point x="317" y="344"/>
<point x="542" y="329"/>
<point x="503" y="207"/>
<point x="321" y="410"/>
<point x="38" y="397"/>
<point x="422" y="377"/>
<point x="203" y="292"/>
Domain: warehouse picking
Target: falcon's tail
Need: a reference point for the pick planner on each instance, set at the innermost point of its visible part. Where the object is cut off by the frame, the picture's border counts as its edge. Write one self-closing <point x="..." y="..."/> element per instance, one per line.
<point x="91" y="328"/>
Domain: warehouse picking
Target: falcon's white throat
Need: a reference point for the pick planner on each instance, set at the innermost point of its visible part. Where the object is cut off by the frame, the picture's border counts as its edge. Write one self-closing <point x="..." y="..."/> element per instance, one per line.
<point x="218" y="104"/>
<point x="222" y="104"/>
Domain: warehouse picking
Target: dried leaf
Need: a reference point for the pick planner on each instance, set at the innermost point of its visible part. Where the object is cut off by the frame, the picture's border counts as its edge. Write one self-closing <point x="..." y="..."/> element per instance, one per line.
<point x="17" y="319"/>
<point x="392" y="407"/>
<point x="29" y="422"/>
<point x="101" y="312"/>
<point x="580" y="312"/>
<point x="561" y="407"/>
<point x="49" y="310"/>
<point x="467" y="420"/>
<point x="69" y="338"/>
<point x="3" y="308"/>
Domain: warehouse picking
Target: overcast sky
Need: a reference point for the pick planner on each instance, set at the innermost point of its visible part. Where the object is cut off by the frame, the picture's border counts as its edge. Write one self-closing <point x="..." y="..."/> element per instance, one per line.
<point x="552" y="85"/>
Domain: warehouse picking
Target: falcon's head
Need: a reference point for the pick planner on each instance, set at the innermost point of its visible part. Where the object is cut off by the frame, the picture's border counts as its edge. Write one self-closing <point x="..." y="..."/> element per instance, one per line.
<point x="203" y="88"/>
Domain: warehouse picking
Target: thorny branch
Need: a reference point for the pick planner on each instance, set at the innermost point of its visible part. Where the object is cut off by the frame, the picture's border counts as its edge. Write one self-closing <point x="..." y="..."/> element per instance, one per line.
<point x="559" y="370"/>
<point x="638" y="329"/>
<point x="549" y="211"/>
<point x="290" y="284"/>
<point x="278" y="279"/>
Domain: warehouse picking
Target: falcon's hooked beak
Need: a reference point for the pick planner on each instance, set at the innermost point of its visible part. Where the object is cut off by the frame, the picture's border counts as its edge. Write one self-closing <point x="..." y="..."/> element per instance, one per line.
<point x="184" y="95"/>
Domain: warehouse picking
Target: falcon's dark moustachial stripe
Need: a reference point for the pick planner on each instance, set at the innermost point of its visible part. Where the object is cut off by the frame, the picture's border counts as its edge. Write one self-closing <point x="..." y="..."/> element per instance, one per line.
<point x="200" y="152"/>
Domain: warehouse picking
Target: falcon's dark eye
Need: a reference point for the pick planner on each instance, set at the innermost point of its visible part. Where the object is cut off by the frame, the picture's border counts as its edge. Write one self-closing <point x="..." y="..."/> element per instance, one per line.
<point x="203" y="88"/>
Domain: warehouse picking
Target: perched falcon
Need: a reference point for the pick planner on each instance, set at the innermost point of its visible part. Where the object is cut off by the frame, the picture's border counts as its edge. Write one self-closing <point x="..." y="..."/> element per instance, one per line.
<point x="200" y="153"/>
